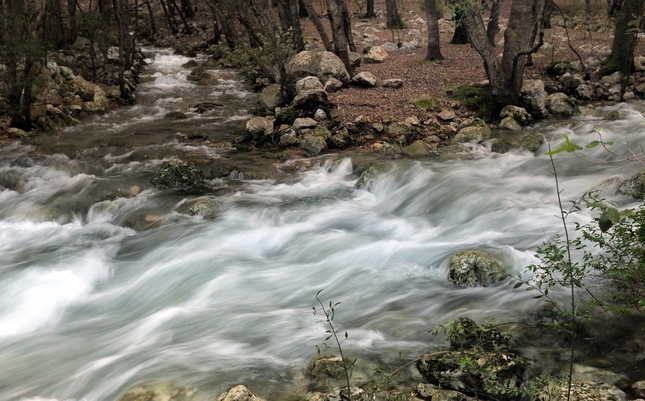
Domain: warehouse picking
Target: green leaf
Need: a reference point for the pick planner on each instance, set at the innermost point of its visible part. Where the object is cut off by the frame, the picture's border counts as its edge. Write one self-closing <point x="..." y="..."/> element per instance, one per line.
<point x="592" y="144"/>
<point x="604" y="222"/>
<point x="518" y="285"/>
<point x="613" y="214"/>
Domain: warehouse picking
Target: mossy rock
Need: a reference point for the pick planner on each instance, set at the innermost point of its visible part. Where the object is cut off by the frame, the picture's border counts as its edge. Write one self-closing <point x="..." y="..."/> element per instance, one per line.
<point x="558" y="68"/>
<point x="427" y="103"/>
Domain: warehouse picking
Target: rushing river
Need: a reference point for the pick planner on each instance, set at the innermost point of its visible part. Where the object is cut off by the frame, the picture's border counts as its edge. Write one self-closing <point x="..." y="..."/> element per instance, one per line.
<point x="104" y="283"/>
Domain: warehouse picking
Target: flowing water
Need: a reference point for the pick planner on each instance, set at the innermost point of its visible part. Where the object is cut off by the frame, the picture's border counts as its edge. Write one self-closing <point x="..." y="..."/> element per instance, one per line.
<point x="104" y="283"/>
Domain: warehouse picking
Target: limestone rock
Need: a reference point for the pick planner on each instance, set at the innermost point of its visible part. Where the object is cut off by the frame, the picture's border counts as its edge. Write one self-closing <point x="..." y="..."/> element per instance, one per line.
<point x="634" y="186"/>
<point x="416" y="149"/>
<point x="239" y="393"/>
<point x="271" y="97"/>
<point x="585" y="92"/>
<point x="392" y="83"/>
<point x="472" y="268"/>
<point x="466" y="334"/>
<point x="396" y="129"/>
<point x="206" y="208"/>
<point x="311" y="100"/>
<point x="322" y="64"/>
<point x="533" y="97"/>
<point x="259" y="128"/>
<point x="560" y="105"/>
<point x="333" y="85"/>
<point x="326" y="367"/>
<point x="312" y="145"/>
<point x="519" y="114"/>
<point x="177" y="174"/>
<point x="157" y="392"/>
<point x="288" y="139"/>
<point x="369" y="175"/>
<point x="432" y="392"/>
<point x="322" y="132"/>
<point x="365" y="78"/>
<point x="556" y="390"/>
<point x="305" y="122"/>
<point x="17" y="133"/>
<point x="509" y="123"/>
<point x="308" y="83"/>
<point x="340" y="140"/>
<point x="320" y="115"/>
<point x="532" y="142"/>
<point x="446" y="115"/>
<point x="473" y="134"/>
<point x="389" y="149"/>
<point x="639" y="388"/>
<point x="376" y="54"/>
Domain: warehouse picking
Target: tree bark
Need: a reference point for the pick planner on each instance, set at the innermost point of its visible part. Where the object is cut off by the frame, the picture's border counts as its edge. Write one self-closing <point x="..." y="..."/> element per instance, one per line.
<point x="347" y="25"/>
<point x="394" y="20"/>
<point x="338" y="32"/>
<point x="434" y="51"/>
<point x="493" y="22"/>
<point x="313" y="17"/>
<point x="295" y="25"/>
<point x="625" y="38"/>
<point x="369" y="13"/>
<point x="505" y="75"/>
<point x="460" y="37"/>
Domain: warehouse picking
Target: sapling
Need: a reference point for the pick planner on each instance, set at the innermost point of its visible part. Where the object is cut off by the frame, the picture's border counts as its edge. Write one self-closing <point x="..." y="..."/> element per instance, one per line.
<point x="329" y="313"/>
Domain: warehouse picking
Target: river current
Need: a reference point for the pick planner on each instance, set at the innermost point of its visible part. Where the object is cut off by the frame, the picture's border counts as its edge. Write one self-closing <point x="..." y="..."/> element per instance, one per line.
<point x="104" y="283"/>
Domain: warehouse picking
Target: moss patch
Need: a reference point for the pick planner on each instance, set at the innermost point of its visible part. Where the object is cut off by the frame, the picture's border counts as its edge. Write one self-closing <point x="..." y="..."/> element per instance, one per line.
<point x="427" y="103"/>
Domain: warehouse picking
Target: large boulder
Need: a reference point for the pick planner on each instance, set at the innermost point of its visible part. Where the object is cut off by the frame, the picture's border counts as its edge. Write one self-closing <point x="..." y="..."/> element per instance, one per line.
<point x="560" y="105"/>
<point x="308" y="83"/>
<point x="532" y="141"/>
<point x="239" y="393"/>
<point x="533" y="98"/>
<point x="322" y="64"/>
<point x="312" y="145"/>
<point x="490" y="375"/>
<point x="365" y="78"/>
<point x="417" y="148"/>
<point x="518" y="114"/>
<point x="473" y="134"/>
<point x="177" y="174"/>
<point x="473" y="267"/>
<point x="309" y="101"/>
<point x="259" y="128"/>
<point x="271" y="97"/>
<point x="634" y="186"/>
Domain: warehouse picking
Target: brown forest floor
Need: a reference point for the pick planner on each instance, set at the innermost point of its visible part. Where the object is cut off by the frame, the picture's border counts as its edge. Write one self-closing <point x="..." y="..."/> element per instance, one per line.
<point x="461" y="65"/>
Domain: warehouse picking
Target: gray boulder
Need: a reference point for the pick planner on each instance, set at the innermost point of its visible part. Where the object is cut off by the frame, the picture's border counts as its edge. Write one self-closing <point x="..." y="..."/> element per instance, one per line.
<point x="560" y="105"/>
<point x="376" y="54"/>
<point x="634" y="186"/>
<point x="304" y="122"/>
<point x="365" y="78"/>
<point x="533" y="98"/>
<point x="259" y="128"/>
<point x="271" y="97"/>
<point x="308" y="83"/>
<point x="509" y="123"/>
<point x="309" y="101"/>
<point x="585" y="92"/>
<point x="532" y="142"/>
<point x="472" y="268"/>
<point x="206" y="208"/>
<point x="369" y="175"/>
<point x="322" y="64"/>
<point x="333" y="85"/>
<point x="312" y="145"/>
<point x="397" y="129"/>
<point x="473" y="134"/>
<point x="519" y="114"/>
<point x="288" y="139"/>
<point x="239" y="393"/>
<point x="416" y="149"/>
<point x="177" y="174"/>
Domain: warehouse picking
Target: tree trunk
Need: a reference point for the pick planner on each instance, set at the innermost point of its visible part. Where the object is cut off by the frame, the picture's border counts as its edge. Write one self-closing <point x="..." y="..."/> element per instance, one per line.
<point x="302" y="9"/>
<point x="394" y="20"/>
<point x="295" y="25"/>
<point x="153" y="27"/>
<point x="614" y="7"/>
<point x="505" y="75"/>
<point x="347" y="25"/>
<point x="460" y="37"/>
<point x="338" y="32"/>
<point x="548" y="12"/>
<point x="187" y="9"/>
<point x="434" y="51"/>
<point x="313" y="16"/>
<point x="493" y="22"/>
<point x="625" y="38"/>
<point x="170" y="20"/>
<point x="73" y="26"/>
<point x="54" y="32"/>
<point x="370" y="10"/>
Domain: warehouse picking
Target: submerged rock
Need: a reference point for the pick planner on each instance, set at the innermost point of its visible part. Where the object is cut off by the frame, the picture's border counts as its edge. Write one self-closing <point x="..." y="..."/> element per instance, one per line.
<point x="158" y="392"/>
<point x="177" y="174"/>
<point x="466" y="334"/>
<point x="634" y="186"/>
<point x="369" y="174"/>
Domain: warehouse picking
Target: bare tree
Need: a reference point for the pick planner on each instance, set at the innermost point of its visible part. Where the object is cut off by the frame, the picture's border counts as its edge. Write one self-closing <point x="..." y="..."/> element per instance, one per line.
<point x="394" y="20"/>
<point x="505" y="75"/>
<point x="369" y="13"/>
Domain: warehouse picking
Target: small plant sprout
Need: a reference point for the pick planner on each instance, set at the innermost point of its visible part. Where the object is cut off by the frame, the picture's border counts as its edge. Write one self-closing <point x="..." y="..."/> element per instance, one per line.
<point x="329" y="313"/>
